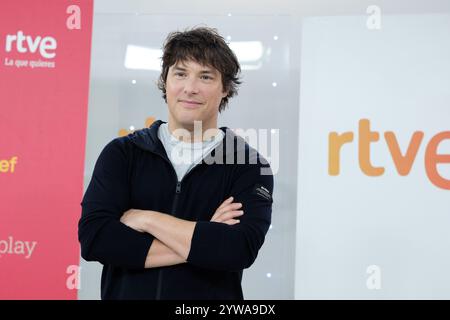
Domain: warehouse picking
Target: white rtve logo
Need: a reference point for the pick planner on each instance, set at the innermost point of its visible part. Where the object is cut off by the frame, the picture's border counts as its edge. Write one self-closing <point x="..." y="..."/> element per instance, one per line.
<point x="24" y="43"/>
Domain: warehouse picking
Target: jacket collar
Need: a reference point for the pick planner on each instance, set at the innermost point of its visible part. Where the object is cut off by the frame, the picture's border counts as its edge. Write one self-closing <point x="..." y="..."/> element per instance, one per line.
<point x="231" y="144"/>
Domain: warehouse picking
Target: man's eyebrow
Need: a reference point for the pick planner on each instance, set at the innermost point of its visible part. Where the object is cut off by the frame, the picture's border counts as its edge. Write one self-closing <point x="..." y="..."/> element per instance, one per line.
<point x="209" y="71"/>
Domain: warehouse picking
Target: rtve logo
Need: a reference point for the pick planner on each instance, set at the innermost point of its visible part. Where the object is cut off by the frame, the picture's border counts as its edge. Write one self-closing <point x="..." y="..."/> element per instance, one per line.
<point x="23" y="43"/>
<point x="403" y="162"/>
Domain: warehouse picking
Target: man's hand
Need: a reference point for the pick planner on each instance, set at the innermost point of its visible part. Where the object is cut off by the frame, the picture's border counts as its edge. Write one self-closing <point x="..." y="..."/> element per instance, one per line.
<point x="227" y="212"/>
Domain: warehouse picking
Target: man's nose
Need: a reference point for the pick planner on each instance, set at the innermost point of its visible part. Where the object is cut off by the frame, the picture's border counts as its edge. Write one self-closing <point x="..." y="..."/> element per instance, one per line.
<point x="191" y="86"/>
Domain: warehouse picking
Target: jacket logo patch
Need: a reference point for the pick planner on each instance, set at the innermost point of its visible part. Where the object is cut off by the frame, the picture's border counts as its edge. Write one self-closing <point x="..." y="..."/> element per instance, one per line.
<point x="262" y="191"/>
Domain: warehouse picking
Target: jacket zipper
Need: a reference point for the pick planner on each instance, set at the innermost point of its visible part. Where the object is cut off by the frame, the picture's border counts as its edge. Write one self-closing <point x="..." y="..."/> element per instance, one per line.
<point x="174" y="204"/>
<point x="160" y="274"/>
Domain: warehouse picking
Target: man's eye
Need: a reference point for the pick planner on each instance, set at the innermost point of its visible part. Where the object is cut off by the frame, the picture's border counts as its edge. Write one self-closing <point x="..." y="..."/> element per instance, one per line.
<point x="179" y="74"/>
<point x="206" y="77"/>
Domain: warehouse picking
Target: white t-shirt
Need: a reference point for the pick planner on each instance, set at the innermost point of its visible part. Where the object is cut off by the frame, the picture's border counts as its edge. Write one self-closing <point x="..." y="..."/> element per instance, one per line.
<point x="185" y="155"/>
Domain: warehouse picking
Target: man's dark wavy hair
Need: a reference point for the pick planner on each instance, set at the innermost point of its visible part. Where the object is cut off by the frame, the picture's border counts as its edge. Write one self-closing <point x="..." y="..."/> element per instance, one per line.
<point x="207" y="47"/>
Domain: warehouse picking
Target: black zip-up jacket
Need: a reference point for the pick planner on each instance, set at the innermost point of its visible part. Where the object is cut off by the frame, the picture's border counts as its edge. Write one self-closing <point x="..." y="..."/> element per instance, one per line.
<point x="135" y="172"/>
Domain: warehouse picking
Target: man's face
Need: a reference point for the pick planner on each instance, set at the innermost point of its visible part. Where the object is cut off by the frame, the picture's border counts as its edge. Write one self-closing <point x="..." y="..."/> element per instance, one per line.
<point x="194" y="93"/>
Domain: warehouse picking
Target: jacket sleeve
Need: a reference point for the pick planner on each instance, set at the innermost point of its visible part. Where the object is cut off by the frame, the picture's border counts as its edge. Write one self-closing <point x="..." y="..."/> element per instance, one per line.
<point x="232" y="248"/>
<point x="102" y="236"/>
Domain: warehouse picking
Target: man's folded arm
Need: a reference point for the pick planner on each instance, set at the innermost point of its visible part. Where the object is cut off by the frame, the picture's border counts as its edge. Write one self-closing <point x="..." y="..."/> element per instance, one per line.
<point x="235" y="247"/>
<point x="161" y="255"/>
<point x="102" y="236"/>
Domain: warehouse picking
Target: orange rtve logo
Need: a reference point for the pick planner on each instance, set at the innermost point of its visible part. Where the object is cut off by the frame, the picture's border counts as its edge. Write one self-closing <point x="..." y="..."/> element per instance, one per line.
<point x="403" y="163"/>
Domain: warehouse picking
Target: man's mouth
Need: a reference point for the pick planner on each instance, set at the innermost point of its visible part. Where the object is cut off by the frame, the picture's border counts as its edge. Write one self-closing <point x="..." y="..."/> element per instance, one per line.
<point x="190" y="103"/>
